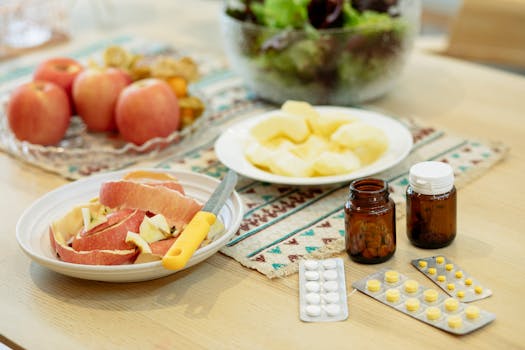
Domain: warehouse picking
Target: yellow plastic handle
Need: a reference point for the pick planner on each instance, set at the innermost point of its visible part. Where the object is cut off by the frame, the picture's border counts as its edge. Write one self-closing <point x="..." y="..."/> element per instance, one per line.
<point x="189" y="240"/>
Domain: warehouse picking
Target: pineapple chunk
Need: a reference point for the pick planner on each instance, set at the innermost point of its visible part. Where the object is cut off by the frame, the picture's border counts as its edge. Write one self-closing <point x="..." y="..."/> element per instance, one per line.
<point x="311" y="148"/>
<point x="368" y="142"/>
<point x="328" y="123"/>
<point x="332" y="163"/>
<point x="261" y="154"/>
<point x="288" y="164"/>
<point x="304" y="109"/>
<point x="291" y="126"/>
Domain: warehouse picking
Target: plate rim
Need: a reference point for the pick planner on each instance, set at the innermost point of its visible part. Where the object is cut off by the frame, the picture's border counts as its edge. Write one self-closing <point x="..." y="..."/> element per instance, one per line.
<point x="264" y="176"/>
<point x="108" y="270"/>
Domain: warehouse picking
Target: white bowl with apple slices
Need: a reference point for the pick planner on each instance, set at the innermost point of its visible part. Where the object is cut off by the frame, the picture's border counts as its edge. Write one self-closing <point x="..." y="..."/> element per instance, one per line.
<point x="231" y="145"/>
<point x="32" y="230"/>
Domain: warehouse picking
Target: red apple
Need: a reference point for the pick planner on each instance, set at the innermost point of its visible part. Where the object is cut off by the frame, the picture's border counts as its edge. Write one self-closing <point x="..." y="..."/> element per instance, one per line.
<point x="39" y="112"/>
<point x="59" y="70"/>
<point x="146" y="109"/>
<point x="95" y="94"/>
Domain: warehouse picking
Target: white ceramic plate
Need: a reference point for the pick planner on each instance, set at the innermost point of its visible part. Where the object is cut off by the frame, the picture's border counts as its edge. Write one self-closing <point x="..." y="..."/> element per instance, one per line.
<point x="33" y="237"/>
<point x="231" y="144"/>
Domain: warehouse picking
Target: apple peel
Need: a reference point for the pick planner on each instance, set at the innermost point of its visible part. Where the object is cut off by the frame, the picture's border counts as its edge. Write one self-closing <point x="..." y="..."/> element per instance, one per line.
<point x="63" y="230"/>
<point x="174" y="206"/>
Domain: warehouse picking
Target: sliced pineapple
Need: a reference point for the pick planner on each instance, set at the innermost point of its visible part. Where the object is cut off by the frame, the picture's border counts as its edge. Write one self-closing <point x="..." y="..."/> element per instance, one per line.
<point x="332" y="163"/>
<point x="288" y="164"/>
<point x="293" y="127"/>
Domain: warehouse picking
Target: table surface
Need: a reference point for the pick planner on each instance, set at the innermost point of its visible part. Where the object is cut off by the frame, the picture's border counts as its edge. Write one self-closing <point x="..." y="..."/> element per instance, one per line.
<point x="219" y="303"/>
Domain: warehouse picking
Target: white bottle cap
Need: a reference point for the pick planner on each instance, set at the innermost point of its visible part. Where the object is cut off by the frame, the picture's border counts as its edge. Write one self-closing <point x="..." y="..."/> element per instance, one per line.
<point x="431" y="177"/>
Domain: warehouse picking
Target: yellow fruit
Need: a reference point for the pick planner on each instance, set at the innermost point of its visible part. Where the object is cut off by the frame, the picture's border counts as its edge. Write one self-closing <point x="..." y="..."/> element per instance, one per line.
<point x="311" y="148"/>
<point x="288" y="164"/>
<point x="332" y="163"/>
<point x="291" y="126"/>
<point x="328" y="123"/>
<point x="368" y="142"/>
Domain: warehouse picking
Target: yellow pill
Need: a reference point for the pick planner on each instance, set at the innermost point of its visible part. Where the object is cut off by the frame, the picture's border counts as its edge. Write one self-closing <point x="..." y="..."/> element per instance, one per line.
<point x="411" y="286"/>
<point x="459" y="274"/>
<point x="441" y="278"/>
<point x="468" y="282"/>
<point x="392" y="295"/>
<point x="412" y="304"/>
<point x="440" y="260"/>
<point x="433" y="313"/>
<point x="472" y="312"/>
<point x="454" y="321"/>
<point x="373" y="285"/>
<point x="451" y="286"/>
<point x="391" y="276"/>
<point x="431" y="270"/>
<point x="430" y="295"/>
<point x="422" y="263"/>
<point x="449" y="267"/>
<point x="460" y="294"/>
<point x="451" y="304"/>
<point x="478" y="289"/>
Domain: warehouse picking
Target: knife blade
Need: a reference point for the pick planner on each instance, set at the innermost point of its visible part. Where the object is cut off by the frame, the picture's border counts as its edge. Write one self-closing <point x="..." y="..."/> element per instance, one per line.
<point x="198" y="228"/>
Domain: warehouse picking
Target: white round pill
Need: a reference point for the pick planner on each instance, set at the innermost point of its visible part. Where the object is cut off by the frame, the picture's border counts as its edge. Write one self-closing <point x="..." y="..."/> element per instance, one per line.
<point x="330" y="286"/>
<point x="311" y="264"/>
<point x="313" y="298"/>
<point x="311" y="275"/>
<point x="312" y="286"/>
<point x="331" y="298"/>
<point x="329" y="264"/>
<point x="313" y="310"/>
<point x="330" y="275"/>
<point x="332" y="309"/>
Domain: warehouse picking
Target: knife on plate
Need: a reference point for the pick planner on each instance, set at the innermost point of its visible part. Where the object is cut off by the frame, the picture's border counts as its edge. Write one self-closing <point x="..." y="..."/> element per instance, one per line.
<point x="198" y="228"/>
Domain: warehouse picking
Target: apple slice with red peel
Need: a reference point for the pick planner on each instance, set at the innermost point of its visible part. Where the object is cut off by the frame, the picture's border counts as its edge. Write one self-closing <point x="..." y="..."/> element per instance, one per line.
<point x="161" y="247"/>
<point x="175" y="207"/>
<point x="111" y="237"/>
<point x="93" y="257"/>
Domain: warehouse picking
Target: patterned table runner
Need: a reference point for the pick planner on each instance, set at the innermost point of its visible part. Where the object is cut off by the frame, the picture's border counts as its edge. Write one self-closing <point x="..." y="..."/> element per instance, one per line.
<point x="283" y="224"/>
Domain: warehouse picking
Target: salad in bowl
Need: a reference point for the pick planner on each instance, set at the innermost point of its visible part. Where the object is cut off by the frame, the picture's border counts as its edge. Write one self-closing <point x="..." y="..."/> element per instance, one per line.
<point x="338" y="52"/>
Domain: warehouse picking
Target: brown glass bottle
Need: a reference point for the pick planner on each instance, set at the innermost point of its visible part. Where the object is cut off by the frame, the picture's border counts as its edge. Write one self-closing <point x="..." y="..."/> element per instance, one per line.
<point x="431" y="205"/>
<point x="370" y="222"/>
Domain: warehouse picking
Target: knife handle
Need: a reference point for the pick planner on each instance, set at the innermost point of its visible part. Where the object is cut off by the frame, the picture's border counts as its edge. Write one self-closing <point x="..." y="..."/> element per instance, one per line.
<point x="189" y="240"/>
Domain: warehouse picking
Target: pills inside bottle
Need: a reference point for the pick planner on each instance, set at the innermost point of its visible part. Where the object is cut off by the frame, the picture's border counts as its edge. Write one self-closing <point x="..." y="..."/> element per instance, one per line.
<point x="431" y="205"/>
<point x="370" y="223"/>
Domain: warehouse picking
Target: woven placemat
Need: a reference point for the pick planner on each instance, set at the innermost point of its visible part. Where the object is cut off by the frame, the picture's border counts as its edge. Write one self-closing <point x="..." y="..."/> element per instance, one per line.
<point x="284" y="224"/>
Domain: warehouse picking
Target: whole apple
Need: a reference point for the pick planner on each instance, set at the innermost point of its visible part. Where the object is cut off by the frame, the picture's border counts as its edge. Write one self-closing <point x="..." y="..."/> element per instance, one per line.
<point x="39" y="112"/>
<point x="146" y="109"/>
<point x="59" y="70"/>
<point x="95" y="94"/>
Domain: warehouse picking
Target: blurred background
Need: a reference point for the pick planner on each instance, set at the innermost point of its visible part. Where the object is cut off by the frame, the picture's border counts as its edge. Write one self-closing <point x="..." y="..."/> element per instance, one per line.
<point x="484" y="31"/>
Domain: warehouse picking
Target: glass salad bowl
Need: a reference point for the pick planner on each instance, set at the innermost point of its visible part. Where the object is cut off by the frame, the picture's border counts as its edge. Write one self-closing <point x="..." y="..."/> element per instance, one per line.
<point x="333" y="52"/>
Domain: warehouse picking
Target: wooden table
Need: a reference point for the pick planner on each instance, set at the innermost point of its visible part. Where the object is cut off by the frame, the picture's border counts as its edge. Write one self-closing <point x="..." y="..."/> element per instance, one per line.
<point x="219" y="304"/>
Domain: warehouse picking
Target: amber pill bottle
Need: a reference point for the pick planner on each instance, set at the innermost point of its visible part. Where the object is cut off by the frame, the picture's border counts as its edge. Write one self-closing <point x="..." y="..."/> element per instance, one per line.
<point x="370" y="222"/>
<point x="431" y="205"/>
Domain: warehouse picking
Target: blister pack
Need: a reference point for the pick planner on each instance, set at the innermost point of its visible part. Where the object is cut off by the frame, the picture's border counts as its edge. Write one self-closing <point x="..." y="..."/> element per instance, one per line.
<point x="451" y="278"/>
<point x="322" y="290"/>
<point x="428" y="305"/>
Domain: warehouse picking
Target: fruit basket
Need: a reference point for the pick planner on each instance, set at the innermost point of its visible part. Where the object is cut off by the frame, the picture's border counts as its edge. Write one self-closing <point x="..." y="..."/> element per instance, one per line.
<point x="82" y="153"/>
